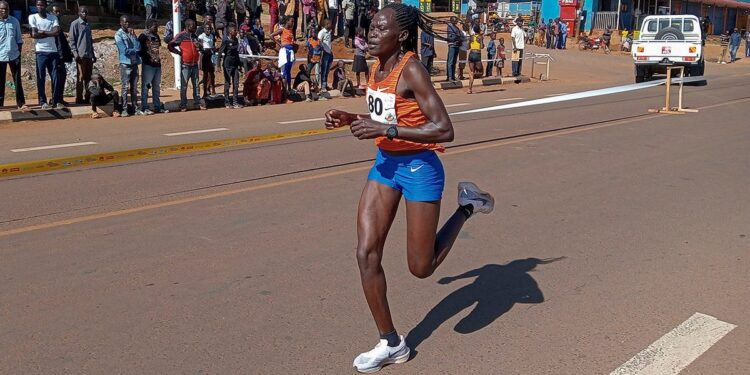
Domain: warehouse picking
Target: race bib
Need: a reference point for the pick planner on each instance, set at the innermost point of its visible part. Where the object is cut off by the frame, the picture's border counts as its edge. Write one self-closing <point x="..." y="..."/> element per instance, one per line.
<point x="382" y="106"/>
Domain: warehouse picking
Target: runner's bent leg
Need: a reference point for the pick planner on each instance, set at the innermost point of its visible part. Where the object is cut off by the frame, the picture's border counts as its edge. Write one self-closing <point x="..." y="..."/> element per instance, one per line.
<point x="425" y="250"/>
<point x="377" y="208"/>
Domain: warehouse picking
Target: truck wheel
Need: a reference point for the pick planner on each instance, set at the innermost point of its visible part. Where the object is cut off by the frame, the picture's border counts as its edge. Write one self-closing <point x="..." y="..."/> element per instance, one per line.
<point x="639" y="79"/>
<point x="669" y="33"/>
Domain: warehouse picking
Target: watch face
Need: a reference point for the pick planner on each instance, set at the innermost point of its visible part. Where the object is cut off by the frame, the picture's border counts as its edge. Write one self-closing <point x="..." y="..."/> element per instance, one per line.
<point x="392" y="132"/>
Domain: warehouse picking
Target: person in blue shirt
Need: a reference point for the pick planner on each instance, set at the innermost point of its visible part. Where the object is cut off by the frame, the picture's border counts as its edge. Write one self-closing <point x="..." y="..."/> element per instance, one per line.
<point x="10" y="54"/>
<point x="455" y="39"/>
<point x="428" y="50"/>
<point x="734" y="44"/>
<point x="491" y="53"/>
<point x="128" y="48"/>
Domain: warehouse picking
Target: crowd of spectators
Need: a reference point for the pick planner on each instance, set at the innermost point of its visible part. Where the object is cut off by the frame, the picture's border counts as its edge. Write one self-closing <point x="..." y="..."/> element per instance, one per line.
<point x="220" y="44"/>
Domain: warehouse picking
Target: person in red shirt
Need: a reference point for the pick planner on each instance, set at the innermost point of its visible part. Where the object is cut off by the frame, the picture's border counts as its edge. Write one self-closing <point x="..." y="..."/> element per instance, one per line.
<point x="187" y="45"/>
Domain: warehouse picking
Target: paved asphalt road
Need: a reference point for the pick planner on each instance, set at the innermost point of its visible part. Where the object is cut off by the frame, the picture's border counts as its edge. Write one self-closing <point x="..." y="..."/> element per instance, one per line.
<point x="613" y="226"/>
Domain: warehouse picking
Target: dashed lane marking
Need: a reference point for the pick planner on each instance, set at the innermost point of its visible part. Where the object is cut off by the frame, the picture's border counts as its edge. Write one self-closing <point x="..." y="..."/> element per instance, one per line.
<point x="456" y="105"/>
<point x="677" y="348"/>
<point x="196" y="132"/>
<point x="50" y="147"/>
<point x="562" y="93"/>
<point x="301" y="121"/>
<point x="508" y="99"/>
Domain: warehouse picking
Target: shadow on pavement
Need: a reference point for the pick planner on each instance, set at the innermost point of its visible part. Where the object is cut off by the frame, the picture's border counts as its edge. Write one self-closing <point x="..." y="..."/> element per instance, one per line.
<point x="495" y="290"/>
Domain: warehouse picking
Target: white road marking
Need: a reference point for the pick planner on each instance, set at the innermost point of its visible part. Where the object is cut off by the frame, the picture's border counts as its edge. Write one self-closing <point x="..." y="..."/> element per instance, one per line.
<point x="196" y="132"/>
<point x="508" y="99"/>
<point x="678" y="348"/>
<point x="300" y="121"/>
<point x="562" y="93"/>
<point x="579" y="95"/>
<point x="53" y="146"/>
<point x="456" y="105"/>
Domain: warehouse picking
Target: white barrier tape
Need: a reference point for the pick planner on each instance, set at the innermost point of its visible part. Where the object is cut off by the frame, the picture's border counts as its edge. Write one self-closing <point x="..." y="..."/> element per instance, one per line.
<point x="581" y="95"/>
<point x="304" y="59"/>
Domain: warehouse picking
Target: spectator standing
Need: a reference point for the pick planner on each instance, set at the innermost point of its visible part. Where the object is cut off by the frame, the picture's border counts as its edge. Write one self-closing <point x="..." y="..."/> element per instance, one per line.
<point x="286" y="51"/>
<point x="747" y="43"/>
<point x="563" y="40"/>
<point x="187" y="46"/>
<point x="455" y="38"/>
<point x="168" y="32"/>
<point x="101" y="93"/>
<point x="724" y="42"/>
<point x="128" y="48"/>
<point x="82" y="45"/>
<point x="517" y="42"/>
<point x="734" y="44"/>
<point x="151" y="70"/>
<point x="308" y="15"/>
<point x="327" y="59"/>
<point x="500" y="60"/>
<point x="427" y="51"/>
<point x="254" y="10"/>
<point x="542" y="34"/>
<point x="491" y="53"/>
<point x="273" y="10"/>
<point x="463" y="52"/>
<point x="66" y="56"/>
<point x="151" y="6"/>
<point x="360" y="55"/>
<point x="45" y="29"/>
<point x="314" y="55"/>
<point x="550" y="31"/>
<point x="555" y="33"/>
<point x="207" y="64"/>
<point x="349" y="7"/>
<point x="11" y="43"/>
<point x="333" y="16"/>
<point x="230" y="56"/>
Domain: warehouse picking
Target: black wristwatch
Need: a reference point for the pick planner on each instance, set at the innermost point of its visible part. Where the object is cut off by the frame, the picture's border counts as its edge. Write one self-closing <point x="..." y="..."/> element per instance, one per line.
<point x="391" y="133"/>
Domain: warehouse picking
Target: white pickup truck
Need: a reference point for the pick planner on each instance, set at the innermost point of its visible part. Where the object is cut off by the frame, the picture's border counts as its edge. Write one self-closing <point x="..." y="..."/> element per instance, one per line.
<point x="674" y="40"/>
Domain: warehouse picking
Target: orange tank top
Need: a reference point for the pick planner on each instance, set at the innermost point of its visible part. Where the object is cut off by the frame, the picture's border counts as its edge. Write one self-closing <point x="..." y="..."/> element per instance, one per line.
<point x="286" y="37"/>
<point x="386" y="106"/>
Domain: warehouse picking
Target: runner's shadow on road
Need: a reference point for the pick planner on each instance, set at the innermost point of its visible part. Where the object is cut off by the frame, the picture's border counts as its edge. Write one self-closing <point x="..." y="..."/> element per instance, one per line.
<point x="496" y="288"/>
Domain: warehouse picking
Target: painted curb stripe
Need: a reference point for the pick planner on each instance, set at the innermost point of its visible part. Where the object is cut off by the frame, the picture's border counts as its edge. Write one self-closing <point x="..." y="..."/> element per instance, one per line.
<point x="677" y="348"/>
<point x="37" y="166"/>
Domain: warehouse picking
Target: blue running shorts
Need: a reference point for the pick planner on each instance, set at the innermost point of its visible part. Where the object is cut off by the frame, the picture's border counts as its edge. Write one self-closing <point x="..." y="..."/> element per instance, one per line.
<point x="419" y="177"/>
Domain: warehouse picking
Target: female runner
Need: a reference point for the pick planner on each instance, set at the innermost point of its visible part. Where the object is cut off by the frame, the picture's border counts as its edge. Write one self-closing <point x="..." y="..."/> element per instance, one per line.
<point x="407" y="119"/>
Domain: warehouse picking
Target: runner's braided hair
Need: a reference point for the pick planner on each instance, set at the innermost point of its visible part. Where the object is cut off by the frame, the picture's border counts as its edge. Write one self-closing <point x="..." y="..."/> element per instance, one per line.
<point x="412" y="19"/>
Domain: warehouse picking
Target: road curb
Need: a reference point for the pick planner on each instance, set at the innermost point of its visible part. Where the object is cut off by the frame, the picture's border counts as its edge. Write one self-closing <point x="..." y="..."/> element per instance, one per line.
<point x="12" y="116"/>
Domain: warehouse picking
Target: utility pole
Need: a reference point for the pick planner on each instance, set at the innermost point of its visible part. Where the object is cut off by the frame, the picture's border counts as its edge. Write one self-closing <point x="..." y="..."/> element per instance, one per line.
<point x="579" y="16"/>
<point x="176" y="27"/>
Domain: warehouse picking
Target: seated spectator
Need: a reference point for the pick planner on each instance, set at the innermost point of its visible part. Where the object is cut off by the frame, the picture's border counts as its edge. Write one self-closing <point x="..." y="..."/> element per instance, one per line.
<point x="340" y="82"/>
<point x="246" y="25"/>
<point x="258" y="31"/>
<point x="102" y="93"/>
<point x="250" y="85"/>
<point x="303" y="83"/>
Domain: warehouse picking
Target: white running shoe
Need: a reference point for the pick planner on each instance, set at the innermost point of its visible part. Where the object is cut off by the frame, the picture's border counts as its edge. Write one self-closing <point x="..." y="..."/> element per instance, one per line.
<point x="381" y="355"/>
<point x="469" y="193"/>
